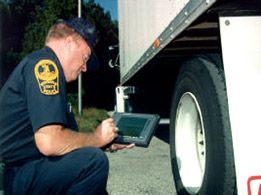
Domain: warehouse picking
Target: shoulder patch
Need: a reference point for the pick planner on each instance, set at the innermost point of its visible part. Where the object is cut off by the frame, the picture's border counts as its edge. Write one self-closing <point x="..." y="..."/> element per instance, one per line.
<point x="47" y="76"/>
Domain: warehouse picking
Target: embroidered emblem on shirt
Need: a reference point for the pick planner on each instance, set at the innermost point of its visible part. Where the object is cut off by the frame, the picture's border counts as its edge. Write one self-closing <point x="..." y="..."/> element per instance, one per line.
<point x="47" y="76"/>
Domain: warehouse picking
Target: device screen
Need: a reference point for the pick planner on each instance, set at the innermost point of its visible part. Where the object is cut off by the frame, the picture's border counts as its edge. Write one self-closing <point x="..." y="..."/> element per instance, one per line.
<point x="129" y="126"/>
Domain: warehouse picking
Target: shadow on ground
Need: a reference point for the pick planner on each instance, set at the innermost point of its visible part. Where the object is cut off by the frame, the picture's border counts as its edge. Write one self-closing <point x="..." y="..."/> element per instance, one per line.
<point x="162" y="132"/>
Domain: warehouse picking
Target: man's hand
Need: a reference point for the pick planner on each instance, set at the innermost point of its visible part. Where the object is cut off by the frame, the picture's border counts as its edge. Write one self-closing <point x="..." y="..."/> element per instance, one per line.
<point x="116" y="147"/>
<point x="106" y="132"/>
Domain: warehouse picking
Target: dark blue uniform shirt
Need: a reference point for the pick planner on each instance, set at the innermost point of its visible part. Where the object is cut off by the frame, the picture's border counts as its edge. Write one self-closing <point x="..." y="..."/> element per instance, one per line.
<point x="33" y="96"/>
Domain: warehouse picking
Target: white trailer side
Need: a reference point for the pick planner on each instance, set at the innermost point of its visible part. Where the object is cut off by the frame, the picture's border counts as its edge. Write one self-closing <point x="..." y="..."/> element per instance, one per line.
<point x="146" y="27"/>
<point x="198" y="63"/>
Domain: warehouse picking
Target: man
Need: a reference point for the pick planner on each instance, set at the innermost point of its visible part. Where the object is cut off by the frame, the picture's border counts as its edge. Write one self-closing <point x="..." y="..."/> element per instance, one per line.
<point x="42" y="151"/>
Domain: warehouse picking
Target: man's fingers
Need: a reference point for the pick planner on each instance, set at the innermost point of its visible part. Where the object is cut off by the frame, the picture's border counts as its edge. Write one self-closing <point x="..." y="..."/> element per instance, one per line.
<point x="130" y="146"/>
<point x="121" y="146"/>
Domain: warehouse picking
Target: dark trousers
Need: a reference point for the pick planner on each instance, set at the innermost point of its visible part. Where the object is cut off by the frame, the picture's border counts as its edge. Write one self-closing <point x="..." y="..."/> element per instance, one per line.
<point x="83" y="171"/>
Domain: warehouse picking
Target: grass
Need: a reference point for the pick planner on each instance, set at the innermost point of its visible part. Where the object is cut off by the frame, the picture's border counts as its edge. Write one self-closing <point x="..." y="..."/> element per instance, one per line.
<point x="90" y="118"/>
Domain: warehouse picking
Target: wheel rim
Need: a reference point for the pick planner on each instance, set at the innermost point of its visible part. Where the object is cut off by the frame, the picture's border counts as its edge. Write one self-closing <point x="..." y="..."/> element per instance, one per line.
<point x="190" y="143"/>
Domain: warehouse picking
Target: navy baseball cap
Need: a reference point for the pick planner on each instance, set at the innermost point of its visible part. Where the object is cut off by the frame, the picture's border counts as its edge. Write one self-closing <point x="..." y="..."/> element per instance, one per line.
<point x="88" y="32"/>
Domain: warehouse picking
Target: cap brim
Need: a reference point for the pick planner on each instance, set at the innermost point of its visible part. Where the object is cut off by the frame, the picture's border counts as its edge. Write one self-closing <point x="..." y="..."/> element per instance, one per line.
<point x="93" y="62"/>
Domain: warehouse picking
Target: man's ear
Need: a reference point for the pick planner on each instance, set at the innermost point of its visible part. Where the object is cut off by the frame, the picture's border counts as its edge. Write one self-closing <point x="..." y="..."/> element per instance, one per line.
<point x="70" y="43"/>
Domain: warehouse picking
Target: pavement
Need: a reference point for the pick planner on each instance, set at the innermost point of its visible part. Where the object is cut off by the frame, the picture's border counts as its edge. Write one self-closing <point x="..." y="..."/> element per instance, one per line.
<point x="141" y="171"/>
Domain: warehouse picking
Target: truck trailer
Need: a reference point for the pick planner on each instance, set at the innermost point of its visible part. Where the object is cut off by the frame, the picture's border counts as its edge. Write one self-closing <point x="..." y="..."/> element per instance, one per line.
<point x="198" y="63"/>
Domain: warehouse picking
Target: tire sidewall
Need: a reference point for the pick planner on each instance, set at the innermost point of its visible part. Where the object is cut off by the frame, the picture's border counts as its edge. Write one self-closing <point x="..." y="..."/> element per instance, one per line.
<point x="194" y="77"/>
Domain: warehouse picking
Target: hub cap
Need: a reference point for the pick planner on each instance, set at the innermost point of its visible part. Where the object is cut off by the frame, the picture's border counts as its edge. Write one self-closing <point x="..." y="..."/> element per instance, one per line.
<point x="190" y="143"/>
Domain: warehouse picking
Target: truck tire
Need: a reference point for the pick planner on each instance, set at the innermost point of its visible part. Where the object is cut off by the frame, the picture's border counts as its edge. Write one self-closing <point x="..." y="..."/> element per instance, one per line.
<point x="200" y="137"/>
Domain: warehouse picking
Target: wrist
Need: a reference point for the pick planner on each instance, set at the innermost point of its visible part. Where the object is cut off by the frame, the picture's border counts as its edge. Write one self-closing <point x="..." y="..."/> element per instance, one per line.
<point x="99" y="142"/>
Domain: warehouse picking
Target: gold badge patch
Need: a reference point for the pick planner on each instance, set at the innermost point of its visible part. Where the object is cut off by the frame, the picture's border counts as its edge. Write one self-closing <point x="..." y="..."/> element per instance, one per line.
<point x="47" y="75"/>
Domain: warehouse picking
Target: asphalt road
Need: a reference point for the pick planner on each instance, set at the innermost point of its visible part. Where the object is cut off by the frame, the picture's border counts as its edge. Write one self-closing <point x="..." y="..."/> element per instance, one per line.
<point x="141" y="171"/>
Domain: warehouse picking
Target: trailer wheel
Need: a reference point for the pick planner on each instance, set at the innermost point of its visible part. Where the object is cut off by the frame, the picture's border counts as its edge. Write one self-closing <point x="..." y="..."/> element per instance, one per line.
<point x="200" y="137"/>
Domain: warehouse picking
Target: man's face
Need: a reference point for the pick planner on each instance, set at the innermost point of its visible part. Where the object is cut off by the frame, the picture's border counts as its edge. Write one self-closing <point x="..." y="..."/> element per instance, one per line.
<point x="79" y="56"/>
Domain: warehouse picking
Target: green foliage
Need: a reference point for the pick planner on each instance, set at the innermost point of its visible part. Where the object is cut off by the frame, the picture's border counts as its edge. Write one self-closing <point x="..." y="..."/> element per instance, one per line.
<point x="15" y="15"/>
<point x="90" y="119"/>
<point x="42" y="19"/>
<point x="26" y="23"/>
<point x="73" y="99"/>
<point x="50" y="11"/>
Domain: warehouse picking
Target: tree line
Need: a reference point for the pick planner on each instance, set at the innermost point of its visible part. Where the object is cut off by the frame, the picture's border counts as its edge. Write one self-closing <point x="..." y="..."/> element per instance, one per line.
<point x="24" y="26"/>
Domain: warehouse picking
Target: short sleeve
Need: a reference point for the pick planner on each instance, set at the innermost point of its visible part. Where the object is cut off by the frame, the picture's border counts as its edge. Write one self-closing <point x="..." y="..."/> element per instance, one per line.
<point x="45" y="94"/>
